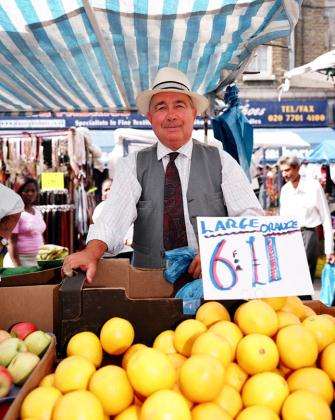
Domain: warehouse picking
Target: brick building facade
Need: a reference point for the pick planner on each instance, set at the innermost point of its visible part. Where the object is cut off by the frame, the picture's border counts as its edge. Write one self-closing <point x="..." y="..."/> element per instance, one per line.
<point x="314" y="35"/>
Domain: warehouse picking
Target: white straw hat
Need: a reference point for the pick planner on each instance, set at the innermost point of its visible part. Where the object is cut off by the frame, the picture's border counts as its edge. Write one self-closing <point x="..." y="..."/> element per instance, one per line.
<point x="169" y="79"/>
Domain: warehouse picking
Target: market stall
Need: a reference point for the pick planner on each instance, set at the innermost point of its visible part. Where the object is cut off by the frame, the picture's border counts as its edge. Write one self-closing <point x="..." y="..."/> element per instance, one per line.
<point x="97" y="55"/>
<point x="66" y="165"/>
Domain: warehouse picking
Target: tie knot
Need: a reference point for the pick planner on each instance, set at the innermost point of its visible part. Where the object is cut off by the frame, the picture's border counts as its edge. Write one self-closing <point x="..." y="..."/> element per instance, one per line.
<point x="173" y="156"/>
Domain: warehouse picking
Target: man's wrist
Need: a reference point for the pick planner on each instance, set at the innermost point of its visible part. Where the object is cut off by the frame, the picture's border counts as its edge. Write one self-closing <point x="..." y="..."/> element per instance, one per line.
<point x="97" y="248"/>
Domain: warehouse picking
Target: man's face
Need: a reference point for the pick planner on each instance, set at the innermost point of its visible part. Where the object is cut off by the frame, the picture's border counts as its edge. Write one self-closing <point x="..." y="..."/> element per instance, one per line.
<point x="290" y="173"/>
<point x="172" y="116"/>
<point x="106" y="186"/>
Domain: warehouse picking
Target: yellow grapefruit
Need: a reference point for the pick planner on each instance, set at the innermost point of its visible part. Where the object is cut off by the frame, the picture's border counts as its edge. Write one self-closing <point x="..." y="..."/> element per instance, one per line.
<point x="86" y="344"/>
<point x="164" y="342"/>
<point x="111" y="386"/>
<point x="185" y="334"/>
<point x="211" y="312"/>
<point x="209" y="411"/>
<point x="257" y="353"/>
<point x="266" y="388"/>
<point x="213" y="345"/>
<point x="235" y="376"/>
<point x="297" y="346"/>
<point x="80" y="404"/>
<point x="305" y="405"/>
<point x="313" y="380"/>
<point x="229" y="331"/>
<point x="230" y="400"/>
<point x="48" y="380"/>
<point x="294" y="305"/>
<point x="201" y="378"/>
<point x="130" y="413"/>
<point x="327" y="361"/>
<point x="177" y="361"/>
<point x="257" y="317"/>
<point x="257" y="412"/>
<point x="40" y="402"/>
<point x="287" y="318"/>
<point x="73" y="373"/>
<point x="322" y="328"/>
<point x="275" y="302"/>
<point x="150" y="370"/>
<point x="165" y="404"/>
<point x="132" y="350"/>
<point x="116" y="335"/>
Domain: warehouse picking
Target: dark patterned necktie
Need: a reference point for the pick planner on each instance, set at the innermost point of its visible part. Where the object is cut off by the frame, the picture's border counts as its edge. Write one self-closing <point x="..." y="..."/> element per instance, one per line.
<point x="174" y="230"/>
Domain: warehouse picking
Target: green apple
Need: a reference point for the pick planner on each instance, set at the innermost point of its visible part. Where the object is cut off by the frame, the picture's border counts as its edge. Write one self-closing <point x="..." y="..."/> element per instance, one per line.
<point x="37" y="342"/>
<point x="21" y="366"/>
<point x="9" y="349"/>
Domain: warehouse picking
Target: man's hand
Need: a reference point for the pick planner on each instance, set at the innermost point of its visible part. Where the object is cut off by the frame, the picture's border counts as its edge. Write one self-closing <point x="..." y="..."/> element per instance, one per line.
<point x="195" y="267"/>
<point x="330" y="258"/>
<point x="86" y="260"/>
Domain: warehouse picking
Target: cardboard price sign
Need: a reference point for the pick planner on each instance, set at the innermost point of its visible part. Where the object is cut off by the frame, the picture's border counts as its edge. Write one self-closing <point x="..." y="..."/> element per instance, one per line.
<point x="52" y="180"/>
<point x="247" y="258"/>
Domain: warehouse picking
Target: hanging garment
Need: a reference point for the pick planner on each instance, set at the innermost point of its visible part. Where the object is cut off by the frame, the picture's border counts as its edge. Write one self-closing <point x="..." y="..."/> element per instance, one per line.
<point x="234" y="130"/>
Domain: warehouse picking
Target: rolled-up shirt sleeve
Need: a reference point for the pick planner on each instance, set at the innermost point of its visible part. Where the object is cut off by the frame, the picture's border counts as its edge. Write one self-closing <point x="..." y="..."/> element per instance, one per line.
<point x="324" y="212"/>
<point x="119" y="210"/>
<point x="239" y="196"/>
<point x="10" y="202"/>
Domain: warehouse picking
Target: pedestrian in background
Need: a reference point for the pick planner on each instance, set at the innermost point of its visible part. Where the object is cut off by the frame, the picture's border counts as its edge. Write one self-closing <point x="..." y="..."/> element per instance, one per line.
<point x="27" y="236"/>
<point x="305" y="200"/>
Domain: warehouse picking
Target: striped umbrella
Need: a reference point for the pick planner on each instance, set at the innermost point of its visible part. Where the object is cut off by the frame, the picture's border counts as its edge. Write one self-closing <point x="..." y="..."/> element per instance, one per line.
<point x="96" y="55"/>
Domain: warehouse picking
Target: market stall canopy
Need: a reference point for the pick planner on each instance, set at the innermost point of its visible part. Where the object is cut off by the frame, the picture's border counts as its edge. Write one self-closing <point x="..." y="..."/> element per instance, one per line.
<point x="96" y="55"/>
<point x="324" y="64"/>
<point x="323" y="153"/>
<point x="270" y="138"/>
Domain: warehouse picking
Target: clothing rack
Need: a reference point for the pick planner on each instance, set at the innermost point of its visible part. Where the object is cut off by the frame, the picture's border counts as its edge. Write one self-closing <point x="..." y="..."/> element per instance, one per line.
<point x="57" y="197"/>
<point x="59" y="219"/>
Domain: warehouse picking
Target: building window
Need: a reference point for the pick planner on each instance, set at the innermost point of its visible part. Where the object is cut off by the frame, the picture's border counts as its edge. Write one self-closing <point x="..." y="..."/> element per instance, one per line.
<point x="330" y="14"/>
<point x="260" y="65"/>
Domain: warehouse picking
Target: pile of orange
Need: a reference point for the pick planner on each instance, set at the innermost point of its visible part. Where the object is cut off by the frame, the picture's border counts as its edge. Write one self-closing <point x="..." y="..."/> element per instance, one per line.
<point x="276" y="360"/>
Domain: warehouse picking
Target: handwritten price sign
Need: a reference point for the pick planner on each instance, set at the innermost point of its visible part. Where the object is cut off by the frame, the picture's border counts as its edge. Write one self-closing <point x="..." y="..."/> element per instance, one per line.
<point x="246" y="258"/>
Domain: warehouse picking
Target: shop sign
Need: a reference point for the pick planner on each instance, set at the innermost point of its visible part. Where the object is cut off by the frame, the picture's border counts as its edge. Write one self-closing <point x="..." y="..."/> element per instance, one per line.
<point x="304" y="113"/>
<point x="52" y="181"/>
<point x="247" y="258"/>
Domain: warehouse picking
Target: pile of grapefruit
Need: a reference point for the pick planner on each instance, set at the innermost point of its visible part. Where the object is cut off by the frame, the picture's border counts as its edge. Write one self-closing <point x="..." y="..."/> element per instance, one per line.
<point x="275" y="359"/>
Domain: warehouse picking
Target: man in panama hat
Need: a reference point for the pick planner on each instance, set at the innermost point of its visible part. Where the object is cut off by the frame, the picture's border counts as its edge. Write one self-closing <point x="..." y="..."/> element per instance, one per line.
<point x="163" y="188"/>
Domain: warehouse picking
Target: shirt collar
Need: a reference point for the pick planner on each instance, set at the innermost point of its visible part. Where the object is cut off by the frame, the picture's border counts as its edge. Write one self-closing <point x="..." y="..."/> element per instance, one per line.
<point x="185" y="150"/>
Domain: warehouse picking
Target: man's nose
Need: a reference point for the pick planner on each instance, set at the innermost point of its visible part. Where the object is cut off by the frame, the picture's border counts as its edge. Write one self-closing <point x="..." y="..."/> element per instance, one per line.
<point x="171" y="115"/>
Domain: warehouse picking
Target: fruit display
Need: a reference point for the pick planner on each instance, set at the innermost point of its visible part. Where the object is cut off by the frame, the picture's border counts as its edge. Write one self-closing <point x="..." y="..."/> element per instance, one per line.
<point x="50" y="252"/>
<point x="274" y="359"/>
<point x="20" y="352"/>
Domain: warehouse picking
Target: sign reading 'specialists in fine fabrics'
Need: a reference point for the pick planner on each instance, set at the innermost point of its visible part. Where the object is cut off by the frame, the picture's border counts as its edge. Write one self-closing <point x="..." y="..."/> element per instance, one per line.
<point x="247" y="258"/>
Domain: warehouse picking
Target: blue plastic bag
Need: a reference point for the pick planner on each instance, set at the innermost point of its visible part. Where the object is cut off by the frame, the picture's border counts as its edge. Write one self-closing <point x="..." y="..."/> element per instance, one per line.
<point x="191" y="293"/>
<point x="177" y="262"/>
<point x="328" y="284"/>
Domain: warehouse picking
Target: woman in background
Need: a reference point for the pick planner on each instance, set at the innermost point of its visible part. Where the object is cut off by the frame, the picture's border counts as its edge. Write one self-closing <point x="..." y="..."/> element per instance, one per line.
<point x="27" y="237"/>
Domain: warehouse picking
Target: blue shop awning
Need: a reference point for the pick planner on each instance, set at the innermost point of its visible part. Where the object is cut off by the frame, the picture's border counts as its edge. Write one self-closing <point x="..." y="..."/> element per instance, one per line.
<point x="96" y="55"/>
<point x="315" y="136"/>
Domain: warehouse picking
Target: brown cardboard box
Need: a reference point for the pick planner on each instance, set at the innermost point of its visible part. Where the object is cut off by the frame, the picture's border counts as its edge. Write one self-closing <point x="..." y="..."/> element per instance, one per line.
<point x="30" y="297"/>
<point x="137" y="283"/>
<point x="44" y="367"/>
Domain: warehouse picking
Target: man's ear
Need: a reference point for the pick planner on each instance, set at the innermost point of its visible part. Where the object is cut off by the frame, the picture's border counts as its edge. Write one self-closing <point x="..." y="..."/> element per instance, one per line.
<point x="149" y="117"/>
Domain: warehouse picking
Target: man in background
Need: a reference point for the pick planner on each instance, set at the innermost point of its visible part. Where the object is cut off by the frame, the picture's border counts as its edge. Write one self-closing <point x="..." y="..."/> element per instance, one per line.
<point x="304" y="199"/>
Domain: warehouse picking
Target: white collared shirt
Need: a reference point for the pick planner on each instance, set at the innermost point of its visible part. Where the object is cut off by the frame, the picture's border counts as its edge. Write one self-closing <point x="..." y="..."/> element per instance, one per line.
<point x="120" y="212"/>
<point x="308" y="203"/>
